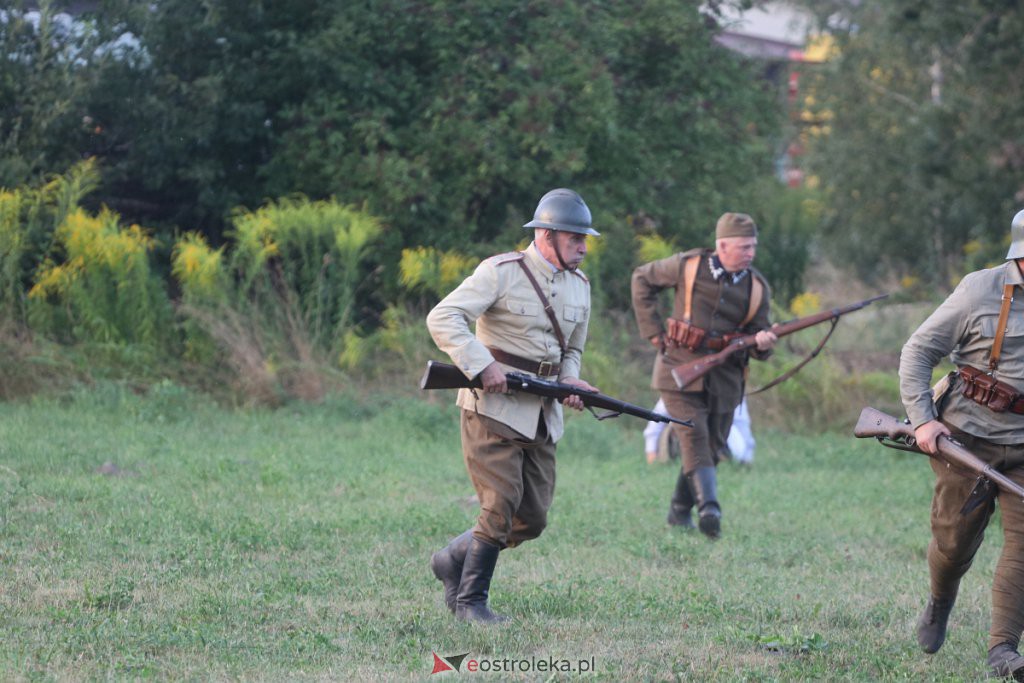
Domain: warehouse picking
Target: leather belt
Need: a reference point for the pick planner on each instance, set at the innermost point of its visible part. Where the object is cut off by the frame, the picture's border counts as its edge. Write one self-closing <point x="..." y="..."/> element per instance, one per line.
<point x="716" y="343"/>
<point x="719" y="343"/>
<point x="544" y="368"/>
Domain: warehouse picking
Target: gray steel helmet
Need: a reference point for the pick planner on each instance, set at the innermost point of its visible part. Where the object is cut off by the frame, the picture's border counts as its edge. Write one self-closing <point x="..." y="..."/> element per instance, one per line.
<point x="1016" y="237"/>
<point x="562" y="209"/>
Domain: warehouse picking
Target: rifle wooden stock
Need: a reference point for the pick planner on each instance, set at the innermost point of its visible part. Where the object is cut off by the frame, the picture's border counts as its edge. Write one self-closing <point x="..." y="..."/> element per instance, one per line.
<point x="875" y="423"/>
<point x="687" y="373"/>
<point x="446" y="376"/>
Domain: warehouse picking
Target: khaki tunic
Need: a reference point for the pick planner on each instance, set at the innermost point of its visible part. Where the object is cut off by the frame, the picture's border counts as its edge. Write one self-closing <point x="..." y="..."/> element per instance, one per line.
<point x="718" y="306"/>
<point x="508" y="314"/>
<point x="964" y="328"/>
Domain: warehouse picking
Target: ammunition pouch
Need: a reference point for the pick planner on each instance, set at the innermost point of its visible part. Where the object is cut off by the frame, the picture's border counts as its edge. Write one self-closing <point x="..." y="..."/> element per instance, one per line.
<point x="682" y="333"/>
<point x="986" y="390"/>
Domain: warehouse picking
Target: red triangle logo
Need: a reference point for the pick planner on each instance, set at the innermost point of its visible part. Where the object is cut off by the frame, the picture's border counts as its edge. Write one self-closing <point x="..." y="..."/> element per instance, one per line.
<point x="440" y="665"/>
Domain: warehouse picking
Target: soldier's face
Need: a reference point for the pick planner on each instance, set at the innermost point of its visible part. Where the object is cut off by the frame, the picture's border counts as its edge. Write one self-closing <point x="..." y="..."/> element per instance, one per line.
<point x="736" y="253"/>
<point x="570" y="245"/>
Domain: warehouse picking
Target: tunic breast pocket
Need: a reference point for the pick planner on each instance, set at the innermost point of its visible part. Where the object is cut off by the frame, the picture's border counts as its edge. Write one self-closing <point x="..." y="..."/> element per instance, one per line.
<point x="521" y="307"/>
<point x="987" y="326"/>
<point x="574" y="314"/>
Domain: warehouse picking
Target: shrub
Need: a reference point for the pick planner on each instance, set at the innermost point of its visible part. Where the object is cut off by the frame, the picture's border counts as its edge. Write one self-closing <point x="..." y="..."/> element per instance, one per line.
<point x="29" y="216"/>
<point x="276" y="304"/>
<point x="97" y="285"/>
<point x="311" y="251"/>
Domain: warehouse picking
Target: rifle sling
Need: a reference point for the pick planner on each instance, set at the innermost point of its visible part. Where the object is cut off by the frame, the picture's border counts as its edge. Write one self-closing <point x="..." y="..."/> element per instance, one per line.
<point x="547" y="307"/>
<point x="796" y="368"/>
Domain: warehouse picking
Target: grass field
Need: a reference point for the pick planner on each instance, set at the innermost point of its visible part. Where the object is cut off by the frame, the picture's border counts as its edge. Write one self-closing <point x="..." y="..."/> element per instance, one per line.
<point x="162" y="537"/>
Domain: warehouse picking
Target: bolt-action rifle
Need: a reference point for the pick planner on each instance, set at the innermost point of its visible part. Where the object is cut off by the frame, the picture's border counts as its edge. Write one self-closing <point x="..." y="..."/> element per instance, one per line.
<point x="899" y="434"/>
<point x="446" y="376"/>
<point x="687" y="373"/>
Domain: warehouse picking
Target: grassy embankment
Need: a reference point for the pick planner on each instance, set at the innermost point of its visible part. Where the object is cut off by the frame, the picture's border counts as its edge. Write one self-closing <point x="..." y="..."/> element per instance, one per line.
<point x="163" y="537"/>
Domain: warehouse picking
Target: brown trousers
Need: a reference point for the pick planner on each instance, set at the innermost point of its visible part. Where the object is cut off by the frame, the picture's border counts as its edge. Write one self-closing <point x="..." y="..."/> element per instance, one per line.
<point x="514" y="479"/>
<point x="956" y="538"/>
<point x="701" y="444"/>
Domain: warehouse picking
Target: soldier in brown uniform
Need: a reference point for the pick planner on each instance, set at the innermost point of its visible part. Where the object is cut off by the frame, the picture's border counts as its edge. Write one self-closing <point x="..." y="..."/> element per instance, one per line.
<point x="980" y="326"/>
<point x="717" y="294"/>
<point x="531" y="311"/>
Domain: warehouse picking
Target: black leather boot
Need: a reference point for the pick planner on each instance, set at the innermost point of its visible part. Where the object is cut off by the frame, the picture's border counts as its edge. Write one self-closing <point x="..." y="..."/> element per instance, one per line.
<point x="446" y="564"/>
<point x="477" y="570"/>
<point x="931" y="627"/>
<point x="682" y="502"/>
<point x="704" y="484"/>
<point x="1005" y="662"/>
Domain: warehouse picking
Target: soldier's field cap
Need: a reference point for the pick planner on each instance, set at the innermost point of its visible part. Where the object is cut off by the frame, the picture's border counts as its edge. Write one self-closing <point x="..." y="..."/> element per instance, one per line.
<point x="735" y="225"/>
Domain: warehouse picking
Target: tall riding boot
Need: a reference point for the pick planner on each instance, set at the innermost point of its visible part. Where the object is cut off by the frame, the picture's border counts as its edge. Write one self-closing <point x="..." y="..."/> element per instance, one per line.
<point x="682" y="503"/>
<point x="477" y="570"/>
<point x="446" y="564"/>
<point x="704" y="483"/>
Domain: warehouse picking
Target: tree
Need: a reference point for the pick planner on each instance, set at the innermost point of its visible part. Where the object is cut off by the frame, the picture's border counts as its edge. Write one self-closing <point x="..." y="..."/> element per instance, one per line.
<point x="924" y="148"/>
<point x="45" y="73"/>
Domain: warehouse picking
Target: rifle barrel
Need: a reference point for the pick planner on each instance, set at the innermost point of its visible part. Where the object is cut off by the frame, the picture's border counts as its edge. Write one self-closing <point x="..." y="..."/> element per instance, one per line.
<point x="687" y="373"/>
<point x="446" y="376"/>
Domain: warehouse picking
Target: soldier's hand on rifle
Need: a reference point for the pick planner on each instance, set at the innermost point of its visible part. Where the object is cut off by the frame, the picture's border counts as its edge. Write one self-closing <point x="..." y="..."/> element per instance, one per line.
<point x="928" y="434"/>
<point x="575" y="401"/>
<point x="765" y="339"/>
<point x="493" y="379"/>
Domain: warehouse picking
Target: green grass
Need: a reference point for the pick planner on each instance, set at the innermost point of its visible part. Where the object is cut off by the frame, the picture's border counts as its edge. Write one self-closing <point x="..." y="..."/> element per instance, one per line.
<point x="162" y="537"/>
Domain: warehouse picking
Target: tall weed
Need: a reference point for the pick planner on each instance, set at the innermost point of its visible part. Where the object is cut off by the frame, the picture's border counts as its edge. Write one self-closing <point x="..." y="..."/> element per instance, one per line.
<point x="310" y="251"/>
<point x="29" y="217"/>
<point x="277" y="303"/>
<point x="97" y="285"/>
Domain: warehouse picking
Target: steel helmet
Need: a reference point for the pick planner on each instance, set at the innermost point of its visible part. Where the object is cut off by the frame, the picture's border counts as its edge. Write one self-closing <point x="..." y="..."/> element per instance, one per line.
<point x="562" y="209"/>
<point x="1016" y="237"/>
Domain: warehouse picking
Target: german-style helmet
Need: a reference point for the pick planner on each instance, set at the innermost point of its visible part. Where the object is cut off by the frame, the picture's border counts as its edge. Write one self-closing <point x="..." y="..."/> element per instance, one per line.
<point x="562" y="209"/>
<point x="1016" y="237"/>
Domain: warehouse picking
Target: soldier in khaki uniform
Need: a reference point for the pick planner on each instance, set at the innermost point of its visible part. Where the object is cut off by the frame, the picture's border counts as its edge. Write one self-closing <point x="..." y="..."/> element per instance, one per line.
<point x="717" y="294"/>
<point x="965" y="327"/>
<point x="508" y="439"/>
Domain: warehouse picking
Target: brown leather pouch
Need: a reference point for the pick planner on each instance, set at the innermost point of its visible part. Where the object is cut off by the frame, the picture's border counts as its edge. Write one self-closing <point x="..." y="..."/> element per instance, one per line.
<point x="984" y="389"/>
<point x="681" y="333"/>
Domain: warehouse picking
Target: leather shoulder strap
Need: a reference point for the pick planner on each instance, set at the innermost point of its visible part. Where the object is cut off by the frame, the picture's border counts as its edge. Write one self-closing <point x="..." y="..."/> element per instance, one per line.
<point x="690" y="267"/>
<point x="756" y="297"/>
<point x="1004" y="316"/>
<point x="547" y="306"/>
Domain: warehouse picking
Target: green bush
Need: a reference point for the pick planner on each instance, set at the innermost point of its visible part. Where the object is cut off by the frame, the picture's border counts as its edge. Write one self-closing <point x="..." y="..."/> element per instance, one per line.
<point x="97" y="285"/>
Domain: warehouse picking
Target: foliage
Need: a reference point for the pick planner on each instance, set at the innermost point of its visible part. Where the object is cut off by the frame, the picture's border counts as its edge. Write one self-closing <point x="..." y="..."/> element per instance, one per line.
<point x="97" y="284"/>
<point x="920" y="149"/>
<point x="199" y="270"/>
<point x="434" y="271"/>
<point x="447" y="120"/>
<point x="313" y="251"/>
<point x="277" y="302"/>
<point x="29" y="216"/>
<point x="789" y="219"/>
<point x="48" y="68"/>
